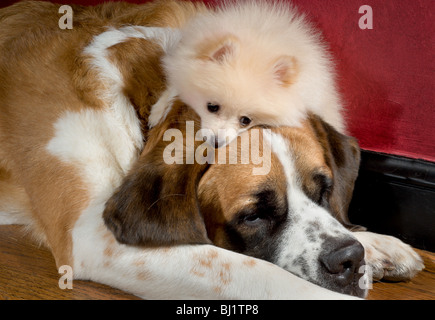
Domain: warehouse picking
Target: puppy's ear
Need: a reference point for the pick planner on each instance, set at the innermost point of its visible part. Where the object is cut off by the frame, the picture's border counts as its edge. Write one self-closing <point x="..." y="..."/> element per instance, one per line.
<point x="285" y="70"/>
<point x="219" y="50"/>
<point x="342" y="155"/>
<point x="156" y="205"/>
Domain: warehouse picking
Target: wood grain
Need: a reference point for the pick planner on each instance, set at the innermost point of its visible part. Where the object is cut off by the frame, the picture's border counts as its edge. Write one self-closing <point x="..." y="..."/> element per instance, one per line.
<point x="29" y="272"/>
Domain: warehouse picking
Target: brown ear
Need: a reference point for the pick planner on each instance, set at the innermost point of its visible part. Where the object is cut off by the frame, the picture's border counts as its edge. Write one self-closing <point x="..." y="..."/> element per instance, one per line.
<point x="156" y="204"/>
<point x="342" y="155"/>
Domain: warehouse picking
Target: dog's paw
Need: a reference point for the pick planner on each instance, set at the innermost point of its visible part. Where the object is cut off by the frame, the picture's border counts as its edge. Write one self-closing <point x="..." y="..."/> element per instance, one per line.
<point x="157" y="114"/>
<point x="389" y="258"/>
<point x="154" y="119"/>
<point x="161" y="108"/>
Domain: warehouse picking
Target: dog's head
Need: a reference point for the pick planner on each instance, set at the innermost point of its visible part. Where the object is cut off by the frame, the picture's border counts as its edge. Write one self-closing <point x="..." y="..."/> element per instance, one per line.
<point x="234" y="84"/>
<point x="294" y="216"/>
<point x="233" y="87"/>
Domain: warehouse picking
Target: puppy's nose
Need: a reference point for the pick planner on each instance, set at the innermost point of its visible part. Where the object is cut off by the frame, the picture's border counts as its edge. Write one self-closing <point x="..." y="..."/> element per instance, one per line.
<point x="344" y="261"/>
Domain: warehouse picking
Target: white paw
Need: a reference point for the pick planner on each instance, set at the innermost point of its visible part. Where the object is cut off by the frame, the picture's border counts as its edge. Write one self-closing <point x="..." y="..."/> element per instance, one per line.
<point x="390" y="258"/>
<point x="161" y="108"/>
<point x="155" y="118"/>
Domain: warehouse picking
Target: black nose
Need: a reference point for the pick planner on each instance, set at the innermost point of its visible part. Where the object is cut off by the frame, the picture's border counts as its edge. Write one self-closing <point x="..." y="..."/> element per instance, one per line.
<point x="343" y="261"/>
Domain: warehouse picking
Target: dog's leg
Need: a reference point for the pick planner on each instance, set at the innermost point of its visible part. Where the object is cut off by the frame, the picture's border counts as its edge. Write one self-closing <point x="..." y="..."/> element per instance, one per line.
<point x="180" y="272"/>
<point x="389" y="258"/>
<point x="14" y="203"/>
<point x="161" y="108"/>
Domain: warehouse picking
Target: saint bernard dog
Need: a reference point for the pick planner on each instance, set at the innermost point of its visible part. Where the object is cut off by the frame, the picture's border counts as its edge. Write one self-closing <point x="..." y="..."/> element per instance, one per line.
<point x="81" y="168"/>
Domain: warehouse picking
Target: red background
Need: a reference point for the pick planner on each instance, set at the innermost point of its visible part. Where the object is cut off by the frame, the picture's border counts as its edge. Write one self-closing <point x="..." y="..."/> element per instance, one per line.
<point x="386" y="74"/>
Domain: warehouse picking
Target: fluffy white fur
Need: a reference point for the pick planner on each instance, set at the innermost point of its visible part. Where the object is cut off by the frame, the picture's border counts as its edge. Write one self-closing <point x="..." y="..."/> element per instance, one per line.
<point x="255" y="59"/>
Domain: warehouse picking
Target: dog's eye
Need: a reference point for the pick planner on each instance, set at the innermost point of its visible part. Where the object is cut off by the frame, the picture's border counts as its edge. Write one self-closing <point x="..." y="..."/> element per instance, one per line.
<point x="253" y="218"/>
<point x="325" y="185"/>
<point x="244" y="121"/>
<point x="213" y="108"/>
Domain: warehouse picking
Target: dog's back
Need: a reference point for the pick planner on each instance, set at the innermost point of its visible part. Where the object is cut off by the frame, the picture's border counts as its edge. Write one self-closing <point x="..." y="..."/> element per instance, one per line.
<point x="45" y="74"/>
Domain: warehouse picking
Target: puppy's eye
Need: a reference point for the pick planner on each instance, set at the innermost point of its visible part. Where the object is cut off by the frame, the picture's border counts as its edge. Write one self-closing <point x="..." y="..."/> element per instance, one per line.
<point x="244" y="121"/>
<point x="213" y="108"/>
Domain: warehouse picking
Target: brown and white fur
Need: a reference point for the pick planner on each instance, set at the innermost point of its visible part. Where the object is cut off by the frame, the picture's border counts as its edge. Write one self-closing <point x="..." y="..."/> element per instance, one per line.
<point x="255" y="63"/>
<point x="79" y="168"/>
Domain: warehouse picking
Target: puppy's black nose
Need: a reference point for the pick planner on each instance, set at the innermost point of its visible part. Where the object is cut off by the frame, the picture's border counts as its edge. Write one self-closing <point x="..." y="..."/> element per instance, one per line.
<point x="343" y="261"/>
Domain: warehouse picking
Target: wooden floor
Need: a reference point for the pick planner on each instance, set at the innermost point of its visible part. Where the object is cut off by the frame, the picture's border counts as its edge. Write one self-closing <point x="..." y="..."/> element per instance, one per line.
<point x="29" y="272"/>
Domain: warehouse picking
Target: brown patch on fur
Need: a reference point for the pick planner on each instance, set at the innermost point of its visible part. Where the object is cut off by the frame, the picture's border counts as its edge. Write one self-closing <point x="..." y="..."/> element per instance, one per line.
<point x="197" y="273"/>
<point x="224" y="274"/>
<point x="249" y="262"/>
<point x="217" y="289"/>
<point x="139" y="263"/>
<point x="212" y="254"/>
<point x="108" y="252"/>
<point x="206" y="261"/>
<point x="139" y="62"/>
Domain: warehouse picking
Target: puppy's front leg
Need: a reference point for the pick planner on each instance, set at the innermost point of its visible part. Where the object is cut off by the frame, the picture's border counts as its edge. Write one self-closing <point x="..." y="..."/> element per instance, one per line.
<point x="161" y="108"/>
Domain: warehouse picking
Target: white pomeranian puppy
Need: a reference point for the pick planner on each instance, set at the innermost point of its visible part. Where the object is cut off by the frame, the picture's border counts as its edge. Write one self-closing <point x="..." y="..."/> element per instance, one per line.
<point x="250" y="63"/>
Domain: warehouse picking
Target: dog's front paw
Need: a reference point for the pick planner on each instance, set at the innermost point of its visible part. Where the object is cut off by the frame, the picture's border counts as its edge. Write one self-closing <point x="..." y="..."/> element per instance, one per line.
<point x="161" y="108"/>
<point x="389" y="258"/>
<point x="154" y="119"/>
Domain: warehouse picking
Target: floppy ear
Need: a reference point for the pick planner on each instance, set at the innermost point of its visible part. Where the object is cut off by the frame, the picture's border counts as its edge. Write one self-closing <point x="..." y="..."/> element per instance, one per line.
<point x="219" y="50"/>
<point x="156" y="204"/>
<point x="285" y="69"/>
<point x="342" y="155"/>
